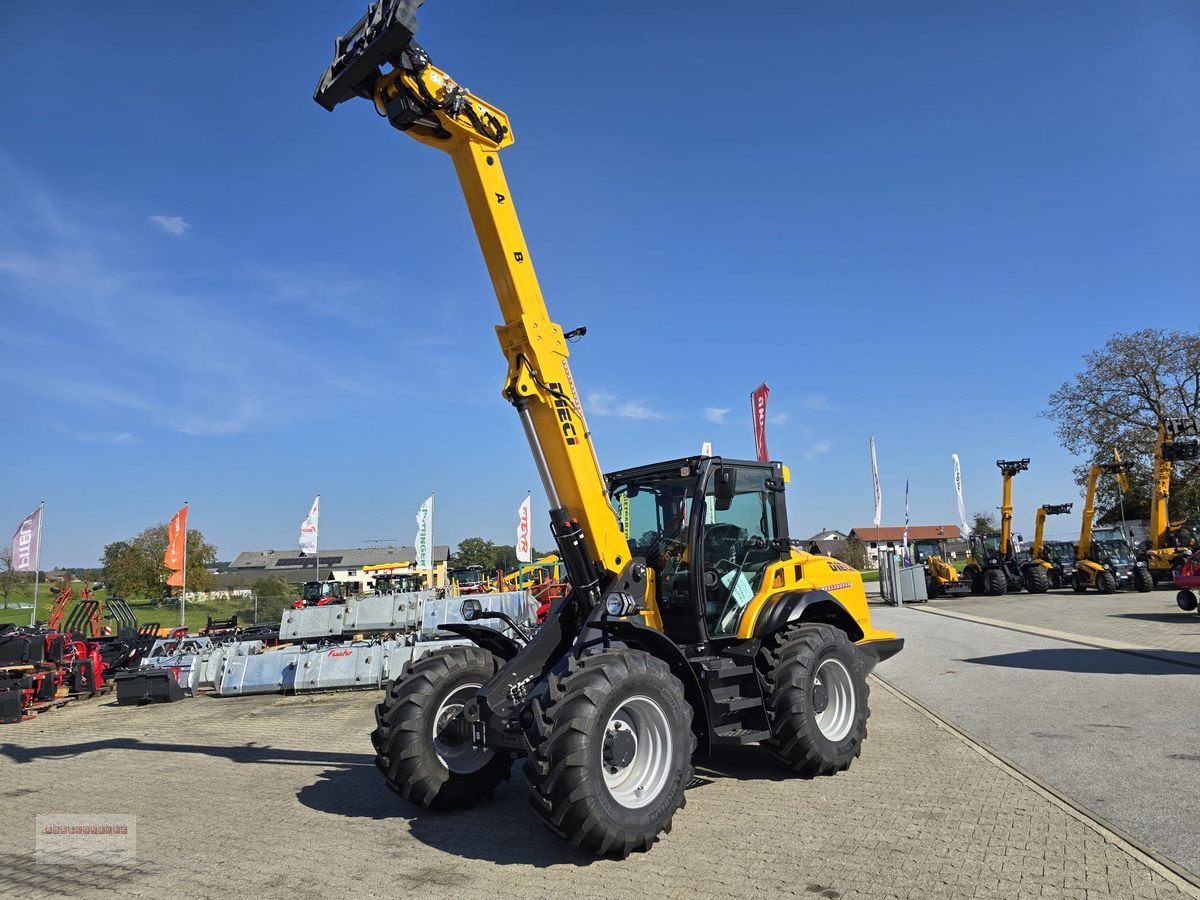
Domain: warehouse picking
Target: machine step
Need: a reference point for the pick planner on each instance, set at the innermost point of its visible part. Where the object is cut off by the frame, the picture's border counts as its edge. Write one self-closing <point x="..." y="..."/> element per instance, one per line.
<point x="736" y="735"/>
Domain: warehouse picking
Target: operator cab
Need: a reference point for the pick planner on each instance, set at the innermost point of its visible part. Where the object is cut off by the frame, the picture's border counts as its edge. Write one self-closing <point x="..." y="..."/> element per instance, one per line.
<point x="923" y="549"/>
<point x="322" y="593"/>
<point x="986" y="549"/>
<point x="708" y="528"/>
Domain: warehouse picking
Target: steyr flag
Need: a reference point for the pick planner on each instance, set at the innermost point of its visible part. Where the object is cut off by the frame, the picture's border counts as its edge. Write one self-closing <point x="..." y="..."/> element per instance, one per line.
<point x="758" y="405"/>
<point x="424" y="539"/>
<point x="310" y="528"/>
<point x="962" y="511"/>
<point x="177" y="541"/>
<point x="25" y="542"/>
<point x="524" y="548"/>
<point x="904" y="541"/>
<point x="875" y="478"/>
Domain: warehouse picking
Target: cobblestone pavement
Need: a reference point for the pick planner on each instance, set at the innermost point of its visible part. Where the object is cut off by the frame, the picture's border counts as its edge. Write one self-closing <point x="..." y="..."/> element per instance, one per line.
<point x="278" y="797"/>
<point x="1150" y="621"/>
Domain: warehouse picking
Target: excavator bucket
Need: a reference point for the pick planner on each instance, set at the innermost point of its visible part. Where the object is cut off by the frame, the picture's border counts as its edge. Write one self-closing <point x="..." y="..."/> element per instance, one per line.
<point x="379" y="38"/>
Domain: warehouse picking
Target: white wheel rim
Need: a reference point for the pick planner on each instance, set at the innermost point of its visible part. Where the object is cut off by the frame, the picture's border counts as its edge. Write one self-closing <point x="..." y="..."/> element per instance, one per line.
<point x="636" y="752"/>
<point x="833" y="684"/>
<point x="456" y="755"/>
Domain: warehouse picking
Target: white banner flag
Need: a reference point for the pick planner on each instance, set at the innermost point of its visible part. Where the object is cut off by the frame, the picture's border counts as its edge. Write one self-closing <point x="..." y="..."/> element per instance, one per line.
<point x="25" y="543"/>
<point x="424" y="540"/>
<point x="310" y="528"/>
<point x="524" y="547"/>
<point x="875" y="477"/>
<point x="962" y="512"/>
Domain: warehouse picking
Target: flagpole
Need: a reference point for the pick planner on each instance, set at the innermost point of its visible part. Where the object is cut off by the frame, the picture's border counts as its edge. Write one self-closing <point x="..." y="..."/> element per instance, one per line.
<point x="432" y="554"/>
<point x="37" y="564"/>
<point x="183" y="585"/>
<point x="318" y="526"/>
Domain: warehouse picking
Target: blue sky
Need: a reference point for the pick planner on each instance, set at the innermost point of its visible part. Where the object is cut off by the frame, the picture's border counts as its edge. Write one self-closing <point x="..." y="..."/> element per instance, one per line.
<point x="910" y="219"/>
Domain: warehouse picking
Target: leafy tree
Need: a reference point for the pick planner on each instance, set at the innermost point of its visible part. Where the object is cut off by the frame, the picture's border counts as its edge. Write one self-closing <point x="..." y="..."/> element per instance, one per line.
<point x="1119" y="399"/>
<point x="137" y="569"/>
<point x="474" y="551"/>
<point x="984" y="523"/>
<point x="112" y="555"/>
<point x="9" y="577"/>
<point x="852" y="552"/>
<point x="273" y="594"/>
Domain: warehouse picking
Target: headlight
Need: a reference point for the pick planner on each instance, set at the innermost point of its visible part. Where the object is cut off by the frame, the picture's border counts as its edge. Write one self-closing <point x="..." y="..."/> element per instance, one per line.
<point x="620" y="604"/>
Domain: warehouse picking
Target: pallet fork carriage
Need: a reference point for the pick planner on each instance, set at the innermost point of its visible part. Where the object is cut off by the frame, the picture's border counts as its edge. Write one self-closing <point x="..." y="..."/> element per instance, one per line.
<point x="690" y="621"/>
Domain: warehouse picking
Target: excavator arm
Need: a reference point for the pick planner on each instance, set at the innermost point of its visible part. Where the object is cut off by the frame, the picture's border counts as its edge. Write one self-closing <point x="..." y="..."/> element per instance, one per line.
<point x="1051" y="509"/>
<point x="1089" y="504"/>
<point x="379" y="60"/>
<point x="1008" y="468"/>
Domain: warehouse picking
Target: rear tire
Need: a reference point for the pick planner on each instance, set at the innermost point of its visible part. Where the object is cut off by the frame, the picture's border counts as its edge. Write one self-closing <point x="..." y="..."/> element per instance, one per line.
<point x="995" y="582"/>
<point x="932" y="589"/>
<point x="1036" y="580"/>
<point x="617" y="755"/>
<point x="419" y="759"/>
<point x="1186" y="600"/>
<point x="1143" y="581"/>
<point x="1106" y="582"/>
<point x="1078" y="582"/>
<point x="817" y="699"/>
<point x="1056" y="580"/>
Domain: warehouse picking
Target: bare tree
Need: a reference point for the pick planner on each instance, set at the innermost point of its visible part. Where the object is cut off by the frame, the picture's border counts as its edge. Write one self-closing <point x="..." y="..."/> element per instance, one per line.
<point x="1119" y="399"/>
<point x="9" y="577"/>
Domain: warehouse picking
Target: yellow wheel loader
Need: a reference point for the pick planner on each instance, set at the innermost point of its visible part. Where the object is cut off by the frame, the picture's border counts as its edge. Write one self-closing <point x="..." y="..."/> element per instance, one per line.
<point x="691" y="623"/>
<point x="1105" y="565"/>
<point x="1050" y="555"/>
<point x="1170" y="543"/>
<point x="993" y="567"/>
<point x="941" y="578"/>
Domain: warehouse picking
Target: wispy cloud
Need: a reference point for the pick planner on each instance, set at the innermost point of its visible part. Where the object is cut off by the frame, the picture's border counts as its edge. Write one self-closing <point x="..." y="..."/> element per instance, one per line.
<point x="176" y="225"/>
<point x="137" y="345"/>
<point x="778" y="418"/>
<point x="817" y="402"/>
<point x="716" y="414"/>
<point x="817" y="449"/>
<point x="602" y="403"/>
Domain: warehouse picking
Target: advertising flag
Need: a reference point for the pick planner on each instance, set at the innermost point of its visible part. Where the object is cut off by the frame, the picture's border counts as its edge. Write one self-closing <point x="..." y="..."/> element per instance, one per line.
<point x="875" y="478"/>
<point x="904" y="540"/>
<point x="25" y="542"/>
<point x="524" y="548"/>
<point x="177" y="541"/>
<point x="758" y="405"/>
<point x="310" y="528"/>
<point x="962" y="511"/>
<point x="424" y="540"/>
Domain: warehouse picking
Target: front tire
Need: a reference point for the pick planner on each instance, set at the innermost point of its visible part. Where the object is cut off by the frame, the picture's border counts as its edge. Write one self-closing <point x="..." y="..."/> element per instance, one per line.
<point x="1036" y="580"/>
<point x="817" y="693"/>
<point x="1106" y="582"/>
<point x="1079" y="582"/>
<point x="609" y="775"/>
<point x="1186" y="600"/>
<point x="995" y="582"/>
<point x="1143" y="581"/>
<point x="421" y="750"/>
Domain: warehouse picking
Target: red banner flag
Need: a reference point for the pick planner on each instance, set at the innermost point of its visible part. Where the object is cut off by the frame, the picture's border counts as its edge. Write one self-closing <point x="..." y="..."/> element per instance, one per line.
<point x="758" y="405"/>
<point x="176" y="541"/>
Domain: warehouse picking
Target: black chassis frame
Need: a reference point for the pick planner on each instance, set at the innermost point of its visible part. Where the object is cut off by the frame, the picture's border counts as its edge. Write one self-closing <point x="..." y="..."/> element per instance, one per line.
<point x="501" y="716"/>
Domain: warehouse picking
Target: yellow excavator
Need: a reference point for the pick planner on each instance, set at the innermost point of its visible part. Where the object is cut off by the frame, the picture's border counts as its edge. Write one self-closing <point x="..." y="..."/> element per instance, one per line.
<point x="993" y="567"/>
<point x="1105" y="565"/>
<point x="691" y="623"/>
<point x="941" y="578"/>
<point x="1170" y="543"/>
<point x="1049" y="556"/>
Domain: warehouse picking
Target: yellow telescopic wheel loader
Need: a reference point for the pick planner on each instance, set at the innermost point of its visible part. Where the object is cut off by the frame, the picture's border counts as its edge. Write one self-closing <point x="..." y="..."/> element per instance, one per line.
<point x="993" y="567"/>
<point x="690" y="624"/>
<point x="941" y="578"/>
<point x="1049" y="556"/>
<point x="1105" y="565"/>
<point x="1170" y="543"/>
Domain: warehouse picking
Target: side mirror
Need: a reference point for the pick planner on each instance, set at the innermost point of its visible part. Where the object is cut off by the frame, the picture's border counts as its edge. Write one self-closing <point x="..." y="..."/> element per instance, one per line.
<point x="471" y="609"/>
<point x="725" y="487"/>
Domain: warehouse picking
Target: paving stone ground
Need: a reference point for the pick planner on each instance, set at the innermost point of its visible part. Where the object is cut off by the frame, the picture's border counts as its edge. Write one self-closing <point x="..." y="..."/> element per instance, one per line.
<point x="1150" y="621"/>
<point x="277" y="797"/>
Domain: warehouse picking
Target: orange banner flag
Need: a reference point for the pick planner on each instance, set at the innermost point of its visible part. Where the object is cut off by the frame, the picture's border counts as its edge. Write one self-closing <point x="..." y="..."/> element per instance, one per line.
<point x="175" y="579"/>
<point x="176" y="540"/>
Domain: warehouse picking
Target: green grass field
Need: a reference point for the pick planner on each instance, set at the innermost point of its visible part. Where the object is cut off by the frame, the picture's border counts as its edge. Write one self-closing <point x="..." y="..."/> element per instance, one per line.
<point x="196" y="616"/>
